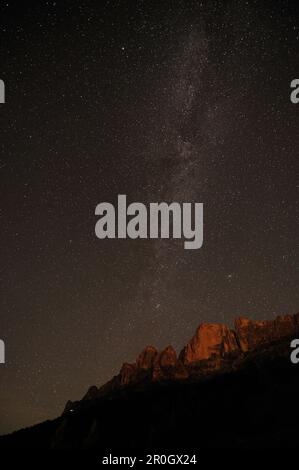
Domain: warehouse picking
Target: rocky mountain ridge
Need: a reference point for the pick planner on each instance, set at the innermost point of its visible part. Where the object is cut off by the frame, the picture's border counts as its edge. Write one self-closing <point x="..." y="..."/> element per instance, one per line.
<point x="227" y="388"/>
<point x="214" y="348"/>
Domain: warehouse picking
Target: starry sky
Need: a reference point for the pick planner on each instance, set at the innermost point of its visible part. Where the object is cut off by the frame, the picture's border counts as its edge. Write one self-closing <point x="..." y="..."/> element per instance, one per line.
<point x="183" y="101"/>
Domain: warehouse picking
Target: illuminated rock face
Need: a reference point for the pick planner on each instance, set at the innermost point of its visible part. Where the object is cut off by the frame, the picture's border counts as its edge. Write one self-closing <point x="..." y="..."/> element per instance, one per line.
<point x="214" y="348"/>
<point x="153" y="366"/>
<point x="252" y="334"/>
<point x="127" y="374"/>
<point x="211" y="346"/>
<point x="168" y="367"/>
<point x="210" y="340"/>
<point x="146" y="358"/>
<point x="218" y="341"/>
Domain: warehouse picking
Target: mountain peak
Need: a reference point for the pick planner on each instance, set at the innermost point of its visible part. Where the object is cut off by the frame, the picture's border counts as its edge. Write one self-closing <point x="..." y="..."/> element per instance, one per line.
<point x="210" y="339"/>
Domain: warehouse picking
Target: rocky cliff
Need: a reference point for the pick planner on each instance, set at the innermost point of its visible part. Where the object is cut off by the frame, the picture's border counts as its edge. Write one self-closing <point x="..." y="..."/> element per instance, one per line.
<point x="213" y="349"/>
<point x="228" y="388"/>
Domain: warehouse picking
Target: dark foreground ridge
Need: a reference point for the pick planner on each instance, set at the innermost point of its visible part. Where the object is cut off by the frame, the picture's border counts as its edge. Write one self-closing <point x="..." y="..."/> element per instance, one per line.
<point x="227" y="388"/>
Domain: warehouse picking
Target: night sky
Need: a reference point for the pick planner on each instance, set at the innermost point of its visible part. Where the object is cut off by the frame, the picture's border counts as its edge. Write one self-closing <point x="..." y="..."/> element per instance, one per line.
<point x="182" y="101"/>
